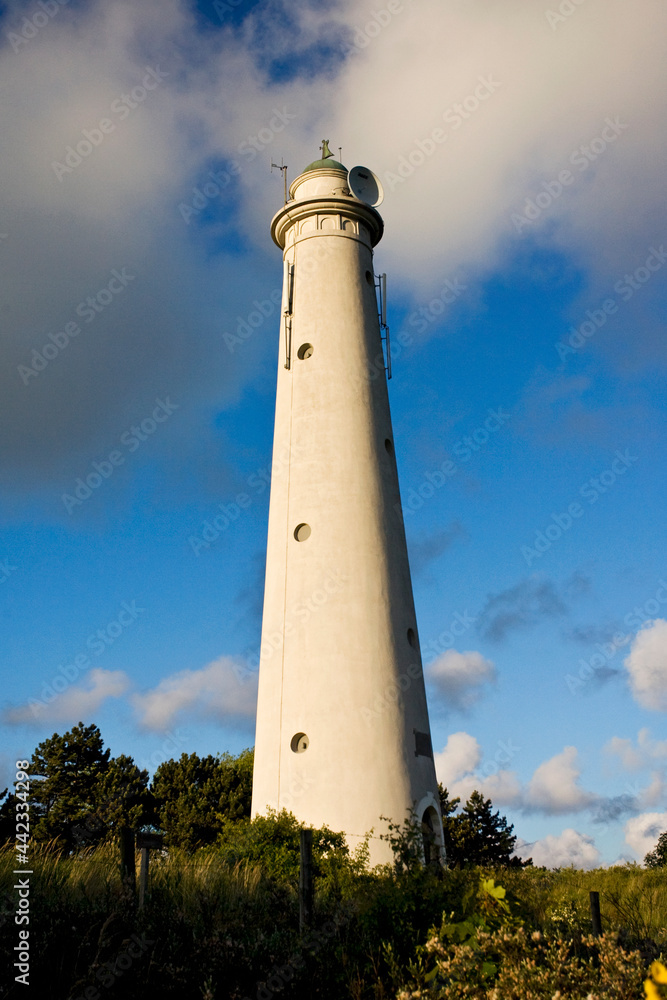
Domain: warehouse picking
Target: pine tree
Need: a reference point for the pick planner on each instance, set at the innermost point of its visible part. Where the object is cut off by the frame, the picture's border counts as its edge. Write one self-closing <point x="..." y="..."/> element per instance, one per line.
<point x="64" y="775"/>
<point x="79" y="794"/>
<point x="477" y="835"/>
<point x="122" y="799"/>
<point x="195" y="796"/>
<point x="657" y="858"/>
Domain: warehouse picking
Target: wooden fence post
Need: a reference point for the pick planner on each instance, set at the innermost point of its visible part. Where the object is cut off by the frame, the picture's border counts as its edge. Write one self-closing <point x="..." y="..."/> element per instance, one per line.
<point x="596" y="919"/>
<point x="127" y="872"/>
<point x="143" y="876"/>
<point x="306" y="881"/>
<point x="146" y="841"/>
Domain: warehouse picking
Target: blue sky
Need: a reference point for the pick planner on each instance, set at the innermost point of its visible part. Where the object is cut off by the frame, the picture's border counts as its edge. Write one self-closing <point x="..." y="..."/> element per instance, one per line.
<point x="521" y="150"/>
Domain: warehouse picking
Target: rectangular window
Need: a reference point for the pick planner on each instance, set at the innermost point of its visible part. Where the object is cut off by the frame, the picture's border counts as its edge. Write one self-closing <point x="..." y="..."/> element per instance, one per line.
<point x="423" y="746"/>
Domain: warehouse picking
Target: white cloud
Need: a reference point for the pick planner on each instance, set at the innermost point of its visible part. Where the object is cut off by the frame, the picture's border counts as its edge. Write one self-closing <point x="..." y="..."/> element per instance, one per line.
<point x="655" y="794"/>
<point x="432" y="55"/>
<point x="634" y="758"/>
<point x="459" y="677"/>
<point x="77" y="702"/>
<point x="559" y="851"/>
<point x="457" y="768"/>
<point x="554" y="787"/>
<point x="120" y="206"/>
<point x="642" y="832"/>
<point x="503" y="788"/>
<point x="461" y="755"/>
<point x="219" y="690"/>
<point x="647" y="666"/>
<point x="631" y="759"/>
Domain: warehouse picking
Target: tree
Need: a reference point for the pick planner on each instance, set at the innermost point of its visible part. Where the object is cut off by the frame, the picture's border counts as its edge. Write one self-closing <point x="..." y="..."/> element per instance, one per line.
<point x="7" y="817"/>
<point x="195" y="796"/>
<point x="64" y="777"/>
<point x="122" y="799"/>
<point x="273" y="842"/>
<point x="476" y="835"/>
<point x="657" y="858"/>
<point x="79" y="794"/>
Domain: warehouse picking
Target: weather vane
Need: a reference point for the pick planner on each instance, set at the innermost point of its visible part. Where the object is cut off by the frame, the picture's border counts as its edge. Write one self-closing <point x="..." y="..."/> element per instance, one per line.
<point x="281" y="166"/>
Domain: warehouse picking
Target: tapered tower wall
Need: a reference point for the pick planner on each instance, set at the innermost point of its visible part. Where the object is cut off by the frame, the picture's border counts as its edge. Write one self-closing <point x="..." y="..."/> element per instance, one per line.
<point x="340" y="659"/>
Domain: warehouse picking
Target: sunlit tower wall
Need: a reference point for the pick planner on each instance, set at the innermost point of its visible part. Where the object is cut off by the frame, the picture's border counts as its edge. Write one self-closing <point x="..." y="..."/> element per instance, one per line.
<point x="343" y="735"/>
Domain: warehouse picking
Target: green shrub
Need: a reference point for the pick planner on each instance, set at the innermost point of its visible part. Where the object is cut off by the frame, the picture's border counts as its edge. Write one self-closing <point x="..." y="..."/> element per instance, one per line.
<point x="222" y="923"/>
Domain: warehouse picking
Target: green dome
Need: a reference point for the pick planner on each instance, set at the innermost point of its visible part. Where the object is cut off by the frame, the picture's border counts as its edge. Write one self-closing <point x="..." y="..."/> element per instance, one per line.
<point x="330" y="163"/>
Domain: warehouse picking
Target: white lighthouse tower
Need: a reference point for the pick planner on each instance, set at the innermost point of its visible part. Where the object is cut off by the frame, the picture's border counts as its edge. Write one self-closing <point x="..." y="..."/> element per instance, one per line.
<point x="343" y="734"/>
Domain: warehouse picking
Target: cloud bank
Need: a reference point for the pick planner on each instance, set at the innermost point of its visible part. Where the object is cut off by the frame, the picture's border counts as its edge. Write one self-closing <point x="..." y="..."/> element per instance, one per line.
<point x="647" y="666"/>
<point x="569" y="848"/>
<point x="219" y="691"/>
<point x="459" y="678"/>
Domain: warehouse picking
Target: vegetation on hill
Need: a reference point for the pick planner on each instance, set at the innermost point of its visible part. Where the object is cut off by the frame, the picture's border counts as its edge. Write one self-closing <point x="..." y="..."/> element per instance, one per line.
<point x="221" y="914"/>
<point x="222" y="923"/>
<point x="80" y="796"/>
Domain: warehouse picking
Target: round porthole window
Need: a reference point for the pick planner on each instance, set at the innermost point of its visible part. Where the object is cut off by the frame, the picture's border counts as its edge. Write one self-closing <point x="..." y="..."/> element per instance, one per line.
<point x="305" y="351"/>
<point x="369" y="277"/>
<point x="302" y="532"/>
<point x="412" y="638"/>
<point x="299" y="743"/>
<point x="388" y="446"/>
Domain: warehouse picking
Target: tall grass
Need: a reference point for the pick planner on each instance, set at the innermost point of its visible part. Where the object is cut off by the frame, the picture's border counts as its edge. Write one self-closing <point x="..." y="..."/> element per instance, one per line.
<point x="218" y="927"/>
<point x="633" y="900"/>
<point x="205" y="919"/>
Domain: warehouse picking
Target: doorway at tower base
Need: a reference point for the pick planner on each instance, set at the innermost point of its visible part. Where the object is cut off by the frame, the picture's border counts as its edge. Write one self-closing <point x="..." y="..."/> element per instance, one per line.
<point x="427" y="836"/>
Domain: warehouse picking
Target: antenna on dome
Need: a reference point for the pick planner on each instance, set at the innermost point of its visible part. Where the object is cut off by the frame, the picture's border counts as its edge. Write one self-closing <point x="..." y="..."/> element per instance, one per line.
<point x="283" y="167"/>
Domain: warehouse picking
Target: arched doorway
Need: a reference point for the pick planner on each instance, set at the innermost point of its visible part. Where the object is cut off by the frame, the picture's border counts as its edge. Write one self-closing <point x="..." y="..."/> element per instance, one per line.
<point x="432" y="834"/>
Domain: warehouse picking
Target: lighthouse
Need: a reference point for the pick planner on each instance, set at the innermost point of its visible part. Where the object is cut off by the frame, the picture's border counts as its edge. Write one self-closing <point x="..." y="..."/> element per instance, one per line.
<point x="342" y="733"/>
